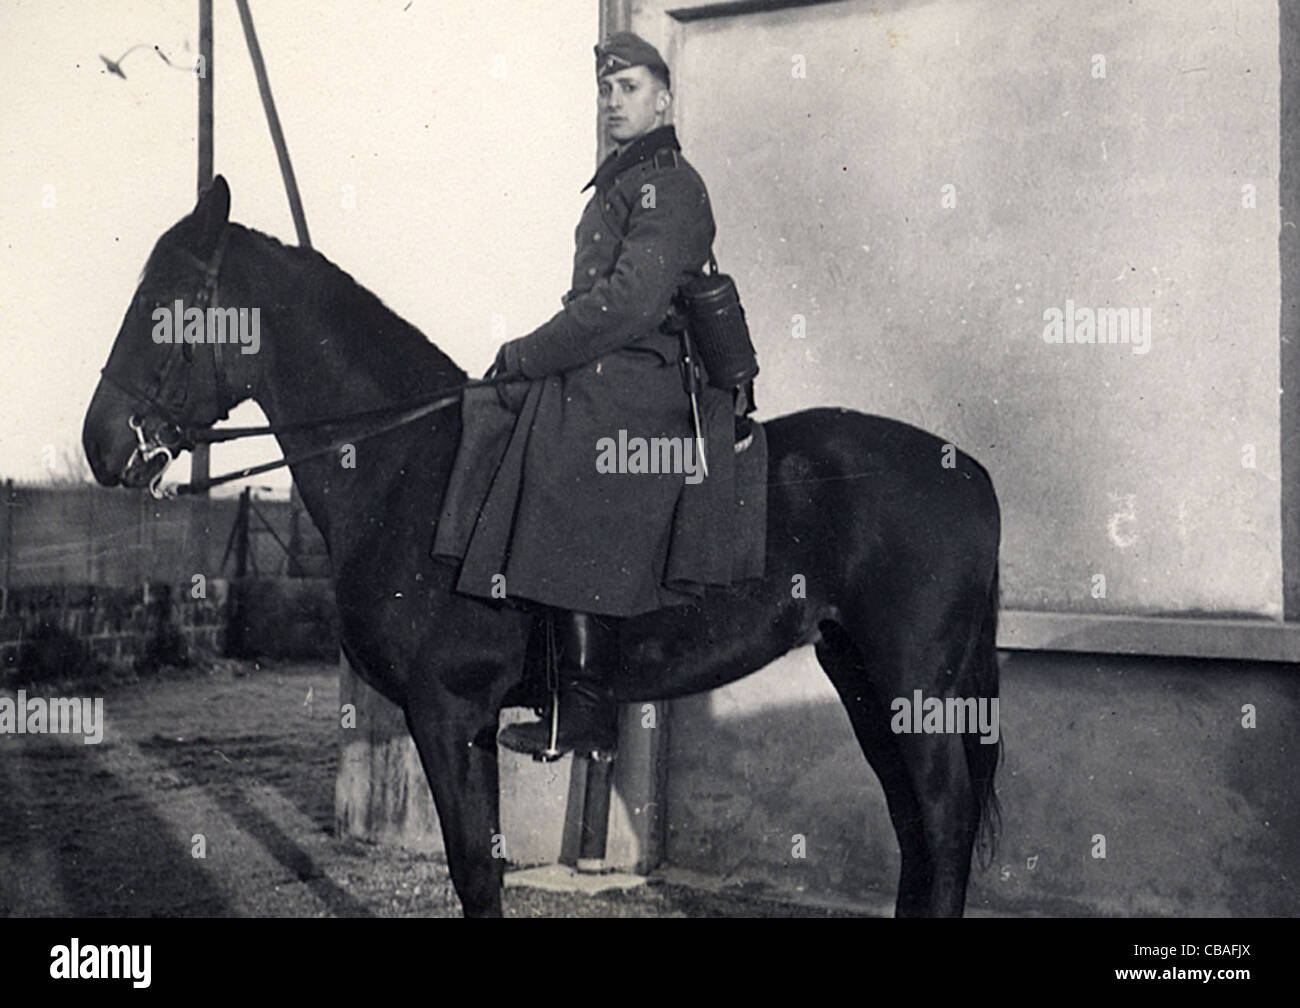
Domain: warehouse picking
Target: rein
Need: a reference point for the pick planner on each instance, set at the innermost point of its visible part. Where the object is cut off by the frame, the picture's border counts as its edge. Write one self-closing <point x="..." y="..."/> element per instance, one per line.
<point x="181" y="437"/>
<point x="447" y="398"/>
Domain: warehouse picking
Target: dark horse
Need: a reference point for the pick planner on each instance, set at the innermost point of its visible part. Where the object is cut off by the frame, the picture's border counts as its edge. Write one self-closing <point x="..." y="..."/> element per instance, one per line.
<point x="892" y="534"/>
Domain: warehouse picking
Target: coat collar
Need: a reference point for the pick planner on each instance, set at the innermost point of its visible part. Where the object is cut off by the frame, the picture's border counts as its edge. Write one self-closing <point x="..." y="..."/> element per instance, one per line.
<point x="640" y="149"/>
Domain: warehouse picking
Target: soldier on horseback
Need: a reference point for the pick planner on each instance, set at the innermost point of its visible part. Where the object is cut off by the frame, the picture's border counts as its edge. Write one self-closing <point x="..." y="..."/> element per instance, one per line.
<point x="898" y="553"/>
<point x="528" y="513"/>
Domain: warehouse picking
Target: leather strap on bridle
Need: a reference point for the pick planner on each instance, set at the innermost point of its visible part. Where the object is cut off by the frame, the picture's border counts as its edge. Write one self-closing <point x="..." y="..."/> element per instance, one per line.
<point x="206" y="296"/>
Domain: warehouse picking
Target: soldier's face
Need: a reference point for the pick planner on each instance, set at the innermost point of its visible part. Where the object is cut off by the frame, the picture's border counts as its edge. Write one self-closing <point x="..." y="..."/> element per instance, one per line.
<point x="633" y="102"/>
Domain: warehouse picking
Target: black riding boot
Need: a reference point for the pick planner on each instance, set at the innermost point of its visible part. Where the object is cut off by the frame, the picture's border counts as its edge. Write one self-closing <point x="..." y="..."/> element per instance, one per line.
<point x="588" y="716"/>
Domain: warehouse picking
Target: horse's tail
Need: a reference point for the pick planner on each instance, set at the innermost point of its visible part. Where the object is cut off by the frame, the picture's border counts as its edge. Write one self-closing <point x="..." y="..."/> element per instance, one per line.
<point x="981" y="677"/>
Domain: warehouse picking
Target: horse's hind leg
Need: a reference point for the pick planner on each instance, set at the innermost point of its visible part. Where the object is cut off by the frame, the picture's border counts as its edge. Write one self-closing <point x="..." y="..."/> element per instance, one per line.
<point x="949" y="818"/>
<point x="924" y="777"/>
<point x="845" y="667"/>
<point x="463" y="777"/>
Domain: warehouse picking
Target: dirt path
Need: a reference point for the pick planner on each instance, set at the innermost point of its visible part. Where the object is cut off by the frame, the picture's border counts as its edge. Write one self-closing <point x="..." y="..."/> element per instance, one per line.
<point x="241" y="763"/>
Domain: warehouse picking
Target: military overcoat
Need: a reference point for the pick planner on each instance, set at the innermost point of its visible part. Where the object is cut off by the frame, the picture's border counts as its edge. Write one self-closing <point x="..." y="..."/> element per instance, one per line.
<point x="530" y="511"/>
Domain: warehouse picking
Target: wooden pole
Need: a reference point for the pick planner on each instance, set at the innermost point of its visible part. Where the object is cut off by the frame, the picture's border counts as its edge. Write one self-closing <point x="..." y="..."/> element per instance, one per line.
<point x="273" y="122"/>
<point x="241" y="536"/>
<point x="8" y="544"/>
<point x="281" y="148"/>
<point x="206" y="80"/>
<point x="200" y="462"/>
<point x="595" y="814"/>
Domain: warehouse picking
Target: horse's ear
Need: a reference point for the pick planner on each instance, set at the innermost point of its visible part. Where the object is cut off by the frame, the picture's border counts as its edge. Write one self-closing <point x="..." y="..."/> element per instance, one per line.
<point x="212" y="211"/>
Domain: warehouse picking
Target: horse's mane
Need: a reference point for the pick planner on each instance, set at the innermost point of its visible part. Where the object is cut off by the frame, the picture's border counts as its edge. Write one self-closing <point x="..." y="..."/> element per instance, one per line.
<point x="415" y="364"/>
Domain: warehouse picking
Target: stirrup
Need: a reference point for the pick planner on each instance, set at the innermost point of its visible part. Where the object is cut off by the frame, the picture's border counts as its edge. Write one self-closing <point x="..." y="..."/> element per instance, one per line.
<point x="552" y="752"/>
<point x="543" y="750"/>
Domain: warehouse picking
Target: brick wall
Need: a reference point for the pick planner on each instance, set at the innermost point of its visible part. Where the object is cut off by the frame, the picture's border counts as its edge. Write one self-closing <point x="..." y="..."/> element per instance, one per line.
<point x="65" y="630"/>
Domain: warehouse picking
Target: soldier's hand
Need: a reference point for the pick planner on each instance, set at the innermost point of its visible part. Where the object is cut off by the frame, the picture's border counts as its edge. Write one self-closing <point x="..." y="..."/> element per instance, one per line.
<point x="506" y="364"/>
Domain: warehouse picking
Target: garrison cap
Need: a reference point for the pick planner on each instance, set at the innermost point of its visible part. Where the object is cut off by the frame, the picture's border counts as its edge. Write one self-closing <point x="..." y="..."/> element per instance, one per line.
<point x="624" y="49"/>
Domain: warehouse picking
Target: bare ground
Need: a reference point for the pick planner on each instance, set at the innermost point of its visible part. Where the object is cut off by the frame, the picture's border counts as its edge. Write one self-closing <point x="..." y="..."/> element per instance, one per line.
<point x="237" y="764"/>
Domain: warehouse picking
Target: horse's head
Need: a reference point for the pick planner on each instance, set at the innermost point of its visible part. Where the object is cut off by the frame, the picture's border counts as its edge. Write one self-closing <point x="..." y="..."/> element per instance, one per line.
<point x="178" y="363"/>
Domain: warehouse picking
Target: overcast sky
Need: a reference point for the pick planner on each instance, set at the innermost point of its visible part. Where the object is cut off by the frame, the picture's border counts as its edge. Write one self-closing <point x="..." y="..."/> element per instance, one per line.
<point x="465" y="131"/>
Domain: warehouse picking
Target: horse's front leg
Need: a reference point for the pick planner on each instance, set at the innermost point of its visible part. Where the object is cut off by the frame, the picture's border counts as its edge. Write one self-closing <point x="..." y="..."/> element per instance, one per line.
<point x="463" y="777"/>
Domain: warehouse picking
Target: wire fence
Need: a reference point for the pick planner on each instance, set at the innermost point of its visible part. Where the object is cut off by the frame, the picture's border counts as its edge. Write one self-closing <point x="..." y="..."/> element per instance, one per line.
<point x="91" y="535"/>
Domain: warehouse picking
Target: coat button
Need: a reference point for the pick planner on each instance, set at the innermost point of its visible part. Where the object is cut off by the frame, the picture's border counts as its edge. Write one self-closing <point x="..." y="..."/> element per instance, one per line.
<point x="591" y="271"/>
<point x="595" y="236"/>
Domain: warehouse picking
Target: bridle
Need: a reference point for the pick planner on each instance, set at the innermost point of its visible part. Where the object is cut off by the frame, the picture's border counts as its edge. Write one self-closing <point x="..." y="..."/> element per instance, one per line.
<point x="170" y="437"/>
